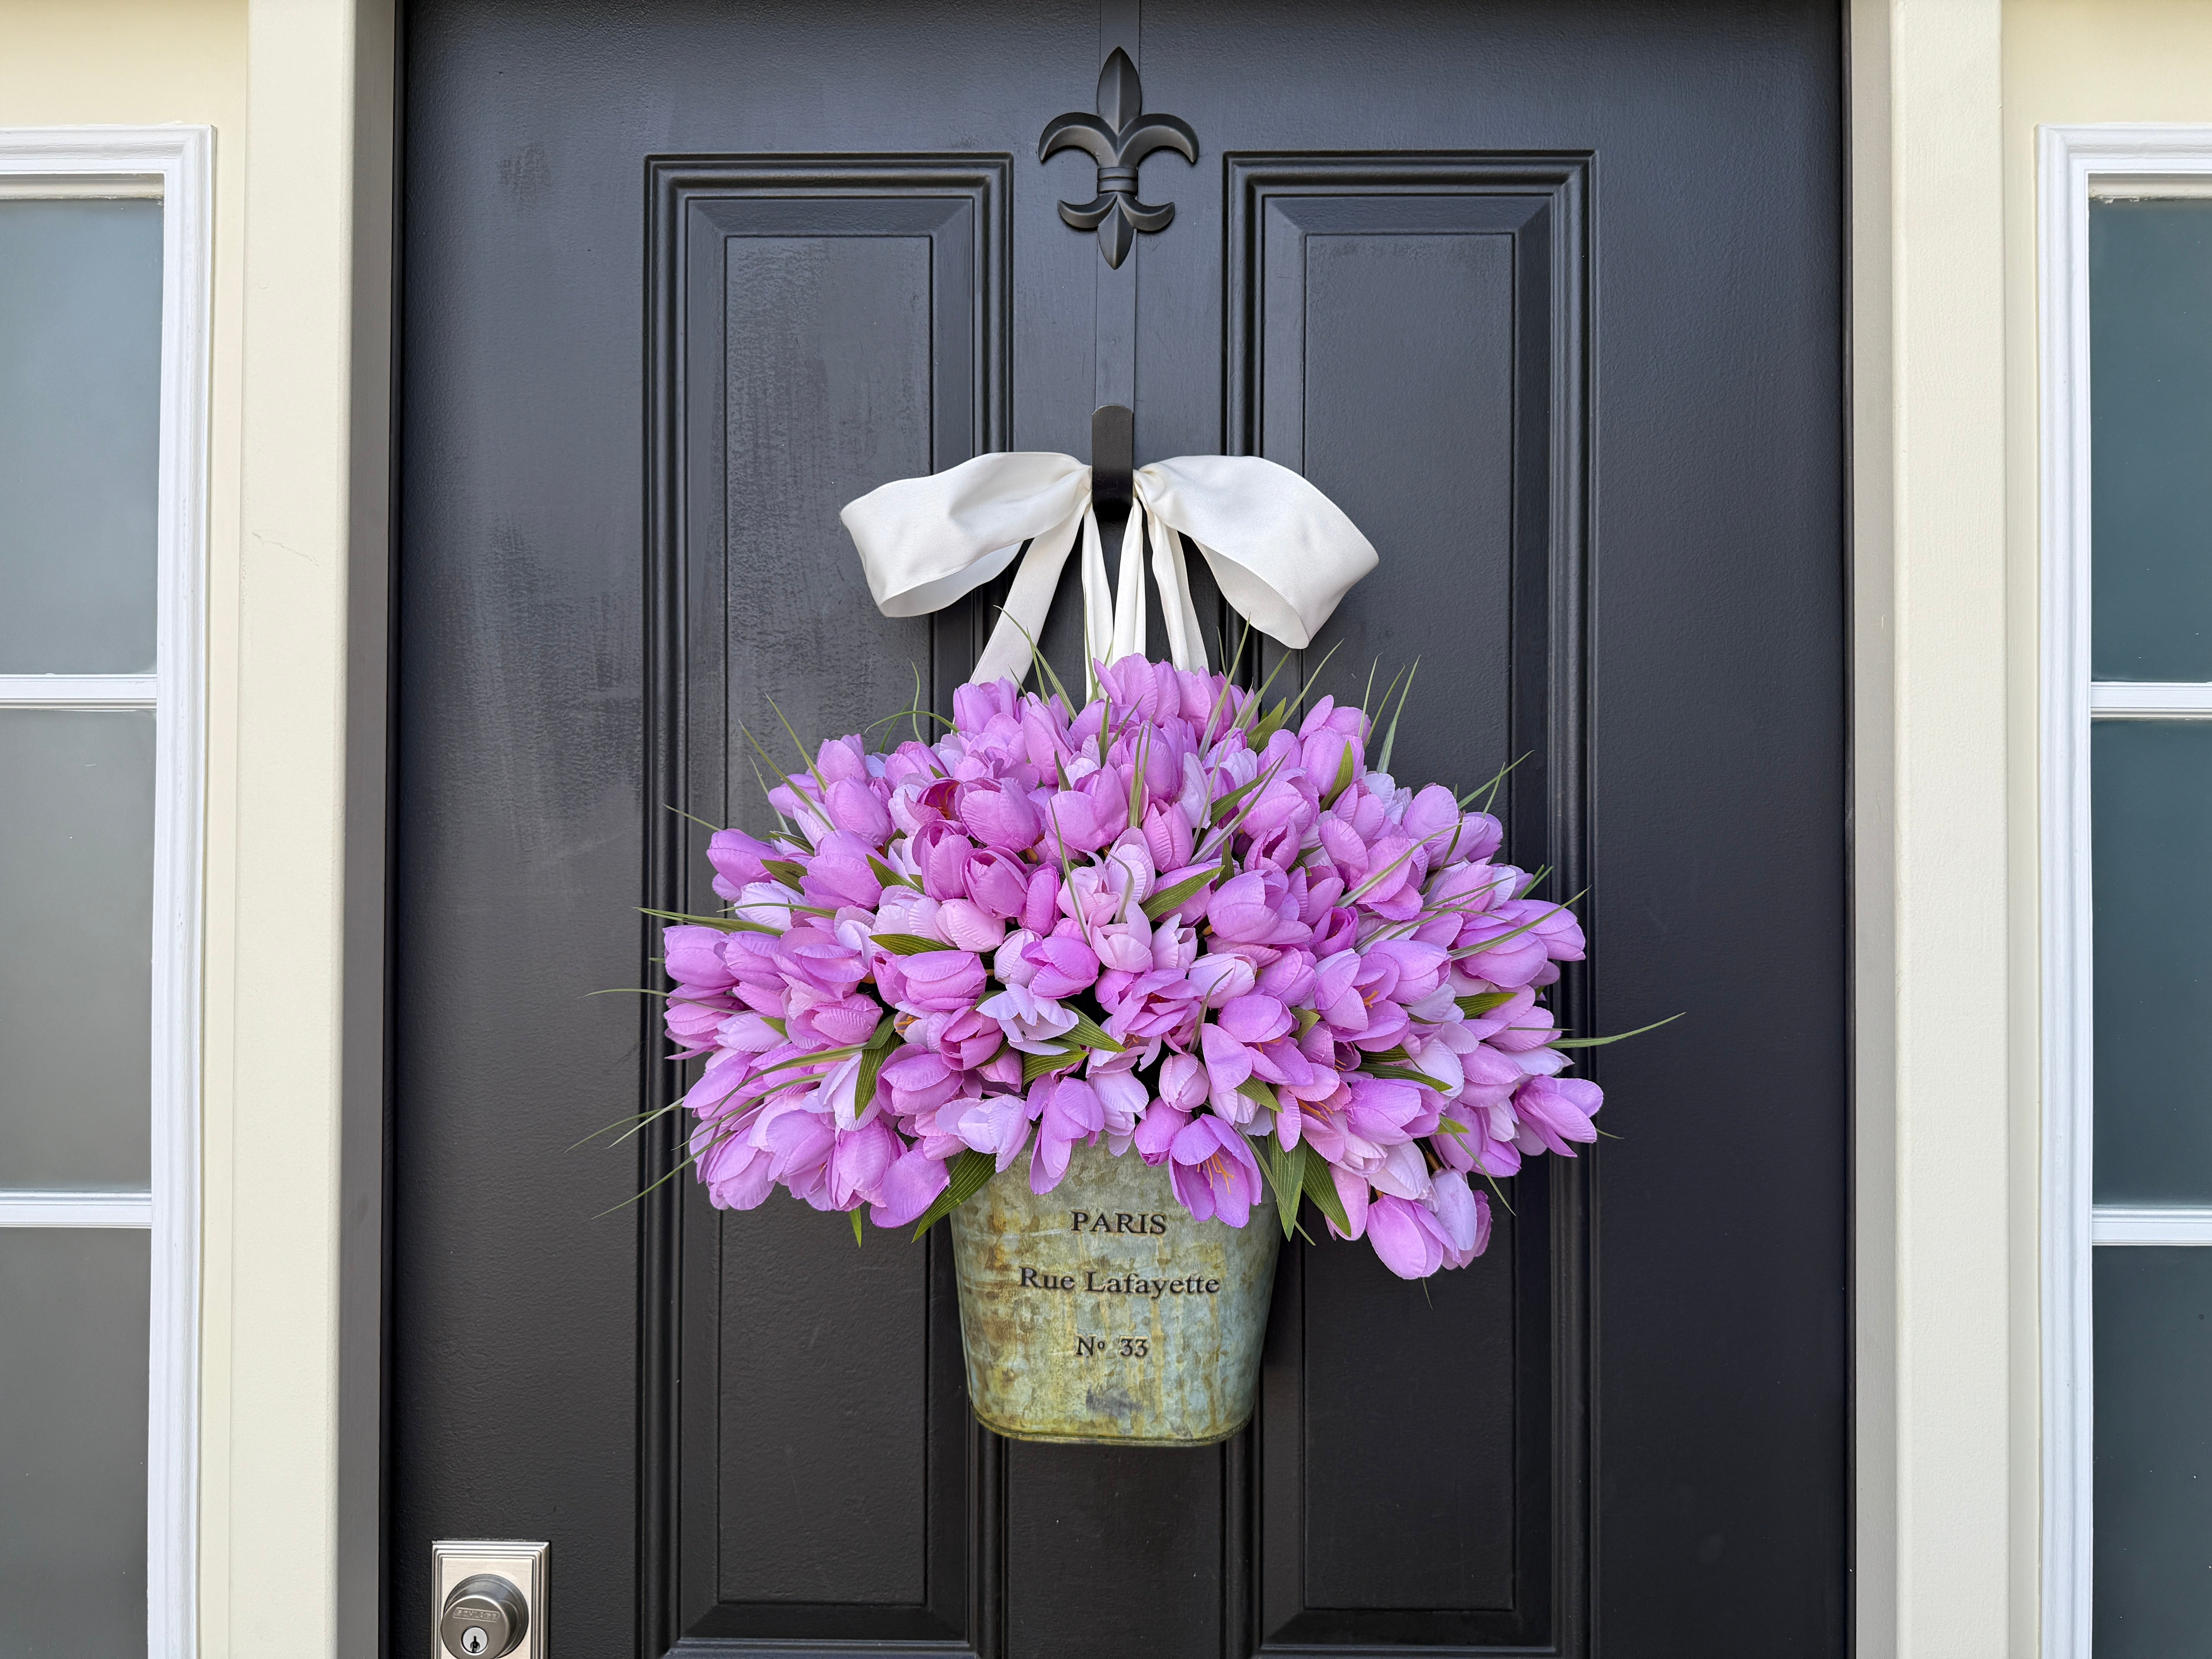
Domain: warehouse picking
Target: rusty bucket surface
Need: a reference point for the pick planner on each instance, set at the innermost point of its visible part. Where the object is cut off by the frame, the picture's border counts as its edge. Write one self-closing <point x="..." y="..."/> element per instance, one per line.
<point x="1101" y="1313"/>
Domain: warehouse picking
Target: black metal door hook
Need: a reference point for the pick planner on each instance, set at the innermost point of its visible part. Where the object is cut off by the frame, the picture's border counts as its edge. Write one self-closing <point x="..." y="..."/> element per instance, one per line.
<point x="1113" y="459"/>
<point x="1118" y="138"/>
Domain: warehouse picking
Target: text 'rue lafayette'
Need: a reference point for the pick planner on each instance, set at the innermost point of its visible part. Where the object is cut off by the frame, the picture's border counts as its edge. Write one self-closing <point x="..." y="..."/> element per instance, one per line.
<point x="1096" y="1283"/>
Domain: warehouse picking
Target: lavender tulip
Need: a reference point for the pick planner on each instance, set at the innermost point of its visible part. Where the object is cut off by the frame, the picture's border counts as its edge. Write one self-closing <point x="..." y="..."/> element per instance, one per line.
<point x="1351" y="969"/>
<point x="1213" y="1171"/>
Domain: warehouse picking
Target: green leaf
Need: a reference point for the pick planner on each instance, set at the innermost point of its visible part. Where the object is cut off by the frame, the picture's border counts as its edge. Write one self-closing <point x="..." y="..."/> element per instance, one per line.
<point x="1091" y="1034"/>
<point x="1321" y="1190"/>
<point x="1227" y="803"/>
<point x="727" y="923"/>
<point x="855" y="1214"/>
<point x="1174" y="898"/>
<point x="971" y="1171"/>
<point x="1599" y="1042"/>
<point x="1405" y="1074"/>
<point x="787" y="870"/>
<point x="888" y="877"/>
<point x="1272" y="724"/>
<point x="774" y="1022"/>
<point x="1036" y="1066"/>
<point x="872" y="1062"/>
<point x="1255" y="1089"/>
<point x="1475" y="1006"/>
<point x="909" y="945"/>
<point x="1343" y="778"/>
<point x="1286" y="1172"/>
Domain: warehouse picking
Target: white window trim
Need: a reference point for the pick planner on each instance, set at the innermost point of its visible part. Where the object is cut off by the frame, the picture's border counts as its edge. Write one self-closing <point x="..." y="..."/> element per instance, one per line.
<point x="2076" y="165"/>
<point x="174" y="162"/>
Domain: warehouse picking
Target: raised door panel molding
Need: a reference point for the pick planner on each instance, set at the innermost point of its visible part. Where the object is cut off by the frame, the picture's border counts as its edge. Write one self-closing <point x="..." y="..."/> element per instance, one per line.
<point x="1423" y="315"/>
<point x="820" y="324"/>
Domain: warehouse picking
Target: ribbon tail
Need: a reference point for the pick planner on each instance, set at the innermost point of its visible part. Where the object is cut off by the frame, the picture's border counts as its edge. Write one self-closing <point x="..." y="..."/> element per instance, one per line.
<point x="1097" y="603"/>
<point x="1186" y="644"/>
<point x="1129" y="602"/>
<point x="1020" y="628"/>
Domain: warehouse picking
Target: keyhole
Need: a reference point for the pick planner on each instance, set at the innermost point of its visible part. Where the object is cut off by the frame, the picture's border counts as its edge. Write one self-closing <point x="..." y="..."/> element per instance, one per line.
<point x="473" y="1640"/>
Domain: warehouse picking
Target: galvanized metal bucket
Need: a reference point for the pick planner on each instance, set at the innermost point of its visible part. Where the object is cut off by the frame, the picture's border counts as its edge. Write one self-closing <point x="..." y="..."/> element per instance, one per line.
<point x="1102" y="1313"/>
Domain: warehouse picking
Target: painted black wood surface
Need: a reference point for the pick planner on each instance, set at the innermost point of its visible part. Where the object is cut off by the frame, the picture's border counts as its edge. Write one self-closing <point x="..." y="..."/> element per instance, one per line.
<point x="1548" y="297"/>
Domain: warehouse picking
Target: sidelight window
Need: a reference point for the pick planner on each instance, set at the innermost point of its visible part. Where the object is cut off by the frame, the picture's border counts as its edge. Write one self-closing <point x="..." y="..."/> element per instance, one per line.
<point x="102" y="387"/>
<point x="2128" y="796"/>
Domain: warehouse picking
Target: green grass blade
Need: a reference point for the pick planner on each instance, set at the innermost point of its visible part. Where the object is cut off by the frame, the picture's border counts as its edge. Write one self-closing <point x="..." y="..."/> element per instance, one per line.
<point x="1599" y="1042"/>
<point x="727" y="923"/>
<point x="820" y="782"/>
<point x="1390" y="738"/>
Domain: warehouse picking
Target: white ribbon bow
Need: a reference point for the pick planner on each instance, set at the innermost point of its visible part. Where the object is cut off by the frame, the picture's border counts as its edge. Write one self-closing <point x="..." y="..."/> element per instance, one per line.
<point x="1282" y="553"/>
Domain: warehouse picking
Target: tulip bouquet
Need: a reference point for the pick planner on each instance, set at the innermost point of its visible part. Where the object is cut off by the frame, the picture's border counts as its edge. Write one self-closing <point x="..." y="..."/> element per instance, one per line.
<point x="1211" y="933"/>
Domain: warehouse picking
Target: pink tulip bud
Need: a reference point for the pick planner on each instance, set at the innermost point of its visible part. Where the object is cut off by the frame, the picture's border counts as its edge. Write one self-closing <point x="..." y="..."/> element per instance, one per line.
<point x="842" y="758"/>
<point x="854" y="805"/>
<point x="1064" y="964"/>
<point x="943" y="981"/>
<point x="737" y="857"/>
<point x="1041" y="907"/>
<point x="998" y="882"/>
<point x="969" y="926"/>
<point x="1168" y="837"/>
<point x="999" y="817"/>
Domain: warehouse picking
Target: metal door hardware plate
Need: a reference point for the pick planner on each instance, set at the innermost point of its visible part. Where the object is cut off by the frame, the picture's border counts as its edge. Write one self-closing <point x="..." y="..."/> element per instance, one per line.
<point x="454" y="1561"/>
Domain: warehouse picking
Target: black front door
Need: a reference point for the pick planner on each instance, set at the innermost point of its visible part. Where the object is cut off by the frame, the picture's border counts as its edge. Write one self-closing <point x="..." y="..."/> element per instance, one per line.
<point x="1548" y="297"/>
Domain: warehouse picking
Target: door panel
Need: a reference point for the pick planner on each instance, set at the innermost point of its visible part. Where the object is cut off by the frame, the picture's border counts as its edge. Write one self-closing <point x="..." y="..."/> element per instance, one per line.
<point x="1548" y="299"/>
<point x="827" y="323"/>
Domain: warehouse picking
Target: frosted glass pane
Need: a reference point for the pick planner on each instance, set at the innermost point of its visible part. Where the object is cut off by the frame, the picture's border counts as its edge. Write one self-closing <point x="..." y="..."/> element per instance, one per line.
<point x="2152" y="788"/>
<point x="80" y="431"/>
<point x="77" y="928"/>
<point x="73" y="1309"/>
<point x="2151" y="349"/>
<point x="2154" y="1483"/>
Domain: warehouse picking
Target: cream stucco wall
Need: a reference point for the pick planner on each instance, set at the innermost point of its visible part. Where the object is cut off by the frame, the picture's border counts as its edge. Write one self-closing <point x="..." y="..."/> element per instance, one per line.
<point x="298" y="94"/>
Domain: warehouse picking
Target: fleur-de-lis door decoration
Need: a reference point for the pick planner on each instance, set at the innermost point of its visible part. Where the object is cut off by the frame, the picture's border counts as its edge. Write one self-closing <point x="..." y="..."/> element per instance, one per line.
<point x="1118" y="138"/>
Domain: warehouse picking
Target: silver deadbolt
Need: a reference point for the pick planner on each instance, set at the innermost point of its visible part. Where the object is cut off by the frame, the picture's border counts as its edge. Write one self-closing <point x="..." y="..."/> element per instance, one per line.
<point x="484" y="1617"/>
